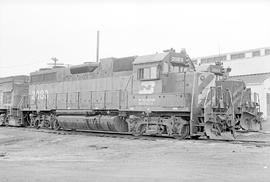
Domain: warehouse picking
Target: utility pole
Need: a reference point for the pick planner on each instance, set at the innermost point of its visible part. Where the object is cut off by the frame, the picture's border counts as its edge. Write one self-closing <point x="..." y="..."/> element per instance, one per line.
<point x="97" y="59"/>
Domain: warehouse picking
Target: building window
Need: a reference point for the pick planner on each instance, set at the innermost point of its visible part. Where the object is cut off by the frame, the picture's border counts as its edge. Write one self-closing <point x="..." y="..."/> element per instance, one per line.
<point x="267" y="51"/>
<point x="256" y="53"/>
<point x="213" y="59"/>
<point x="220" y="58"/>
<point x="237" y="56"/>
<point x="148" y="73"/>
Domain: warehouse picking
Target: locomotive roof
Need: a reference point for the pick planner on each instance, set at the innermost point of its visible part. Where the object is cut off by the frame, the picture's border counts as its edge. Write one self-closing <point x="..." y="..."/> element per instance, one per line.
<point x="22" y="78"/>
<point x="151" y="58"/>
<point x="47" y="70"/>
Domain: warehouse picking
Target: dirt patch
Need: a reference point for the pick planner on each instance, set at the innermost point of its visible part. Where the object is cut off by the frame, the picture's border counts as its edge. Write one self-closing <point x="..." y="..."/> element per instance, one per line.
<point x="38" y="156"/>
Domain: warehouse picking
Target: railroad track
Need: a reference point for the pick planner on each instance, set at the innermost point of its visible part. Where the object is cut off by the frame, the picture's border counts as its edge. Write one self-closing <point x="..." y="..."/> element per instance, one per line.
<point x="92" y="133"/>
<point x="257" y="143"/>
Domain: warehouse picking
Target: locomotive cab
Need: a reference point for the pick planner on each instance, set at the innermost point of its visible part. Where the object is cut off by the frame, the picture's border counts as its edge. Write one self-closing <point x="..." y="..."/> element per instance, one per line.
<point x="158" y="82"/>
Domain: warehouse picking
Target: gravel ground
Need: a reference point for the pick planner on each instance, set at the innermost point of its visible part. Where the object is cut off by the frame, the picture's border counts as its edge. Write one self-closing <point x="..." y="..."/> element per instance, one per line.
<point x="27" y="155"/>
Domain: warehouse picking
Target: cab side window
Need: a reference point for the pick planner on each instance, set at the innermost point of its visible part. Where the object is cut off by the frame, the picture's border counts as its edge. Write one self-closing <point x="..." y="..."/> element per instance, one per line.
<point x="149" y="73"/>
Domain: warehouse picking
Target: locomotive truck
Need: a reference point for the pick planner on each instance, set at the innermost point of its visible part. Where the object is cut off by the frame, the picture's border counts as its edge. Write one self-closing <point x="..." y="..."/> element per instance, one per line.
<point x="160" y="94"/>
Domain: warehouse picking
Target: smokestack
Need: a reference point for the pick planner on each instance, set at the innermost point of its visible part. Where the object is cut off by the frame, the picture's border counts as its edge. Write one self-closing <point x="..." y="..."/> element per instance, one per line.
<point x="97" y="46"/>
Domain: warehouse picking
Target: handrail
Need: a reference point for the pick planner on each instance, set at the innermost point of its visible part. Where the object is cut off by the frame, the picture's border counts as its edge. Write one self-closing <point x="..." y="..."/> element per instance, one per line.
<point x="129" y="80"/>
<point x="192" y="105"/>
<point x="20" y="103"/>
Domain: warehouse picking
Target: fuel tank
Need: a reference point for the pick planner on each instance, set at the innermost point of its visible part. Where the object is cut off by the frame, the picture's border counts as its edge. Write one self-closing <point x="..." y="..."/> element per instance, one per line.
<point x="98" y="123"/>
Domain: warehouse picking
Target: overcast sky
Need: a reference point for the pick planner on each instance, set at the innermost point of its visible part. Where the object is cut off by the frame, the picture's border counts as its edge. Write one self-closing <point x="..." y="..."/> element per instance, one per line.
<point x="31" y="32"/>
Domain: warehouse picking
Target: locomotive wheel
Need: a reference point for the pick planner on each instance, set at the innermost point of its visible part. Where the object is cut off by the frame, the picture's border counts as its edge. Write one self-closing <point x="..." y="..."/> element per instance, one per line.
<point x="250" y="124"/>
<point x="214" y="131"/>
<point x="45" y="123"/>
<point x="35" y="123"/>
<point x="27" y="121"/>
<point x="4" y="121"/>
<point x="182" y="132"/>
<point x="56" y="125"/>
<point x="139" y="130"/>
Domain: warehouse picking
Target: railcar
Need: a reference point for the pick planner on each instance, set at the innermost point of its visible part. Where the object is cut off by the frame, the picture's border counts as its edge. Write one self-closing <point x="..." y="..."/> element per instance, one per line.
<point x="160" y="94"/>
<point x="12" y="92"/>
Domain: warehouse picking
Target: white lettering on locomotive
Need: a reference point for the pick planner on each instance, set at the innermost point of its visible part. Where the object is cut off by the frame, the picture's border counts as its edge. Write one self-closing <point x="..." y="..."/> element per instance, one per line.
<point x="40" y="94"/>
<point x="146" y="102"/>
<point x="177" y="59"/>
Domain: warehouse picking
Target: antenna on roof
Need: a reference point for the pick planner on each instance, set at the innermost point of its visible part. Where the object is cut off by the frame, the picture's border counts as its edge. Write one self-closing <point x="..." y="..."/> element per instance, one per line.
<point x="218" y="61"/>
<point x="55" y="63"/>
<point x="97" y="59"/>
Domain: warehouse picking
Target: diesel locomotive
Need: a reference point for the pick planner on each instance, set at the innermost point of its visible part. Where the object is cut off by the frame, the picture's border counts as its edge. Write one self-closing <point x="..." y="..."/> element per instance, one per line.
<point x="161" y="94"/>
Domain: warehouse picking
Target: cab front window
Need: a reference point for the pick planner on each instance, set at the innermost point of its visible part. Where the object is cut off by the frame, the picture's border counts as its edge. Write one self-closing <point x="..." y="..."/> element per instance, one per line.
<point x="179" y="69"/>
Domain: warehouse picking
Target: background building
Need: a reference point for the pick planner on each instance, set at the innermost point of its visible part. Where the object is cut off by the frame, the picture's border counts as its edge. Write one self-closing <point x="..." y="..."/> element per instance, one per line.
<point x="251" y="66"/>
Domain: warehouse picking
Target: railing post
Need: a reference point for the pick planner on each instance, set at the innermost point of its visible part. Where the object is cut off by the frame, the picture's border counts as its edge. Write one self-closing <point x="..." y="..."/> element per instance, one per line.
<point x="105" y="99"/>
<point x="67" y="100"/>
<point x="127" y="100"/>
<point x="36" y="100"/>
<point x="56" y="101"/>
<point x="46" y="101"/>
<point x="78" y="100"/>
<point x="120" y="98"/>
<point x="91" y="104"/>
<point x="184" y="88"/>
